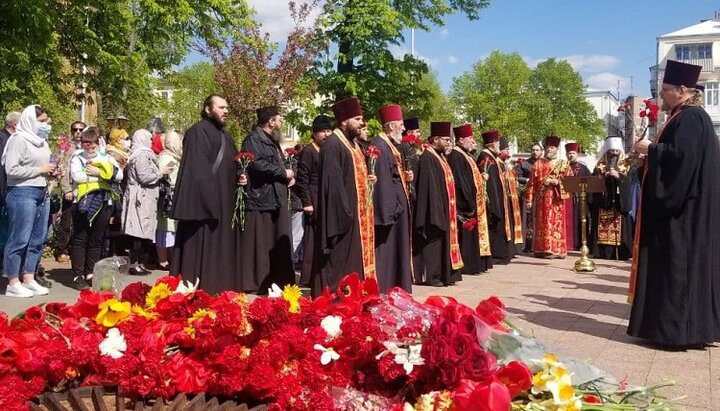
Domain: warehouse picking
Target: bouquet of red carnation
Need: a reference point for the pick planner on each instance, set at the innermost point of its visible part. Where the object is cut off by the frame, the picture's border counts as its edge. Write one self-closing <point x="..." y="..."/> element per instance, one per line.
<point x="412" y="140"/>
<point x="372" y="153"/>
<point x="468" y="223"/>
<point x="242" y="160"/>
<point x="650" y="111"/>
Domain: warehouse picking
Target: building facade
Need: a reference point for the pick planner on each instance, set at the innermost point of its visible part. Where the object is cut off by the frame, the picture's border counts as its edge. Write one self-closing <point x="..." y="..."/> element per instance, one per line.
<point x="606" y="106"/>
<point x="700" y="45"/>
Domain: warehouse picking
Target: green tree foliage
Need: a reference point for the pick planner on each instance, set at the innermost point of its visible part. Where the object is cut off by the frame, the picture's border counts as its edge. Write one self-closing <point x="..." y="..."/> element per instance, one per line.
<point x="502" y="92"/>
<point x="110" y="45"/>
<point x="357" y="36"/>
<point x="434" y="104"/>
<point x="191" y="85"/>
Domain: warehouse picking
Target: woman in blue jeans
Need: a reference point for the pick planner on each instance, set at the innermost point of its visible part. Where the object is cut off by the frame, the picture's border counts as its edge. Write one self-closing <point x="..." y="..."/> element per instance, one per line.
<point x="27" y="164"/>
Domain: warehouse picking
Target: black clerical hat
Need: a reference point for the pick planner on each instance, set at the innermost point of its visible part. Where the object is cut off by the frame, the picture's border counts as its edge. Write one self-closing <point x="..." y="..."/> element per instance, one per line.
<point x="503" y="144"/>
<point x="681" y="74"/>
<point x="320" y="123"/>
<point x="412" y="123"/>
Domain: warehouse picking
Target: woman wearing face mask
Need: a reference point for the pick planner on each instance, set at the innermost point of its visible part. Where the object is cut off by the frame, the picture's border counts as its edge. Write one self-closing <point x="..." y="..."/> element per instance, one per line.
<point x="27" y="165"/>
<point x="93" y="173"/>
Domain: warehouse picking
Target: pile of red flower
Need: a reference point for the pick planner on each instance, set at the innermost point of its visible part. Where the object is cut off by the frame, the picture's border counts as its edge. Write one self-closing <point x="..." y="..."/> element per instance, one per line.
<point x="285" y="350"/>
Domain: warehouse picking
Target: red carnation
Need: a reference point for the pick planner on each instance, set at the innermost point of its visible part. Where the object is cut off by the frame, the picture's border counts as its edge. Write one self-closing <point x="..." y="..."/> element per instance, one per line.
<point x="470" y="224"/>
<point x="244" y="157"/>
<point x="372" y="152"/>
<point x="135" y="293"/>
<point x="291" y="152"/>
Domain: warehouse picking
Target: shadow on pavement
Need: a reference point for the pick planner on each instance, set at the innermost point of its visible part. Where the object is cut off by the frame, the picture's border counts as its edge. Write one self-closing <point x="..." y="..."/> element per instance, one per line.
<point x="597" y="288"/>
<point x="583" y="306"/>
<point x="63" y="276"/>
<point x="579" y="324"/>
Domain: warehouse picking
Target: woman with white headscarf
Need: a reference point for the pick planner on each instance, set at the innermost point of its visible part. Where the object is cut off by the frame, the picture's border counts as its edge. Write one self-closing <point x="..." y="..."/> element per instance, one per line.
<point x="27" y="165"/>
<point x="139" y="214"/>
<point x="169" y="157"/>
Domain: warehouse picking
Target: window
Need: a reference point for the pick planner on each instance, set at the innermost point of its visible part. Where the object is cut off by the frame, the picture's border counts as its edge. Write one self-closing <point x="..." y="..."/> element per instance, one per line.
<point x="705" y="51"/>
<point x="682" y="52"/>
<point x="711" y="94"/>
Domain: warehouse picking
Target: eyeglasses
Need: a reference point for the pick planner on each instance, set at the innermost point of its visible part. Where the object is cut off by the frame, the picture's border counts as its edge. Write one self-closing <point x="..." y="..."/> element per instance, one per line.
<point x="76" y="129"/>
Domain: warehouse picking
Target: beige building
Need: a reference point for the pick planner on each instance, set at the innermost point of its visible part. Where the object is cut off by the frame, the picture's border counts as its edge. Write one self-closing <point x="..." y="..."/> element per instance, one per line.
<point x="700" y="45"/>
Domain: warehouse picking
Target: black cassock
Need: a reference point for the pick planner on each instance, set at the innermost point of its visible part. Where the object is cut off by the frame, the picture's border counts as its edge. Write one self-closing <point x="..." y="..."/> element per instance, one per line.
<point x="610" y="200"/>
<point x="393" y="257"/>
<point x="466" y="204"/>
<point x="206" y="245"/>
<point x="308" y="182"/>
<point x="503" y="249"/>
<point x="338" y="250"/>
<point x="677" y="294"/>
<point x="579" y="169"/>
<point x="431" y="231"/>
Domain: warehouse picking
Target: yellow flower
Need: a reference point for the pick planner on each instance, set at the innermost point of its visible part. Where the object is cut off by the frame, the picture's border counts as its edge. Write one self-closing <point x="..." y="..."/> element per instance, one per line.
<point x="292" y="294"/>
<point x="112" y="311"/>
<point x="138" y="310"/>
<point x="200" y="314"/>
<point x="156" y="294"/>
<point x="190" y="330"/>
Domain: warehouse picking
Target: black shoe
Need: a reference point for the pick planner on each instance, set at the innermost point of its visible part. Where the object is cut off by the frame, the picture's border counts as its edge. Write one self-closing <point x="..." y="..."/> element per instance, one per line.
<point x="138" y="270"/>
<point x="79" y="283"/>
<point x="43" y="281"/>
<point x="145" y="270"/>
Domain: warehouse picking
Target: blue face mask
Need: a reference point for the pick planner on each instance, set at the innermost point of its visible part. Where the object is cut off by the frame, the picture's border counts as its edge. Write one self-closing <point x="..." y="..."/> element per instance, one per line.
<point x="44" y="130"/>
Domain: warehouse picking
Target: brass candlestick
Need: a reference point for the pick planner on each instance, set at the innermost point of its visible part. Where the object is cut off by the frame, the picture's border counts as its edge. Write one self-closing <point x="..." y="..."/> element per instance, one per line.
<point x="584" y="264"/>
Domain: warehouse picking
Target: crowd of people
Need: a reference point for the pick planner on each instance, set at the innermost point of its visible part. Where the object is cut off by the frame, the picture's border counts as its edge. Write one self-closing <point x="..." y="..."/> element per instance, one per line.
<point x="397" y="207"/>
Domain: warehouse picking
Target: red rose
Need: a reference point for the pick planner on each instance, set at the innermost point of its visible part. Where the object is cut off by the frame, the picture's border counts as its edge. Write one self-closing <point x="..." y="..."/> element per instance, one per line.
<point x="487" y="395"/>
<point x="440" y="302"/>
<point x="516" y="376"/>
<point x="480" y="364"/>
<point x="491" y="311"/>
<point x="434" y="350"/>
<point x="460" y="348"/>
<point x="135" y="293"/>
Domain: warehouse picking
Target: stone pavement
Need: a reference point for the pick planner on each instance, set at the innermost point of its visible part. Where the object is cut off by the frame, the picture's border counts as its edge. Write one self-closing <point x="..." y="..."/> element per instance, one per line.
<point x="582" y="316"/>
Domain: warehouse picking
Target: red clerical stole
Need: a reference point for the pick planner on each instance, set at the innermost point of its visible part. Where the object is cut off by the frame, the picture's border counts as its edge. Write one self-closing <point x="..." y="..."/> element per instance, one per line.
<point x="455" y="257"/>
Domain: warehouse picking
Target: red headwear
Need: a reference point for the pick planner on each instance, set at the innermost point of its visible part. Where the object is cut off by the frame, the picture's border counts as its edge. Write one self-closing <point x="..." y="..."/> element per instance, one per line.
<point x="572" y="147"/>
<point x="440" y="129"/>
<point x="345" y="109"/>
<point x="463" y="131"/>
<point x="552" y="141"/>
<point x="490" y="136"/>
<point x="390" y="113"/>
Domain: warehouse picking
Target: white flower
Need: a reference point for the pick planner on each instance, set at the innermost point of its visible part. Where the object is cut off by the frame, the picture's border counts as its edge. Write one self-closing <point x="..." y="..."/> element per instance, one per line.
<point x="407" y="357"/>
<point x="185" y="287"/>
<point x="114" y="344"/>
<point x="328" y="354"/>
<point x="274" y="291"/>
<point x="331" y="325"/>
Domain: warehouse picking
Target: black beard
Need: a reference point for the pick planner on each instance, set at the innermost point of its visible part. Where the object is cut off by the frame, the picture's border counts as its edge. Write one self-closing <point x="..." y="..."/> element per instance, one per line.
<point x="353" y="133"/>
<point x="215" y="118"/>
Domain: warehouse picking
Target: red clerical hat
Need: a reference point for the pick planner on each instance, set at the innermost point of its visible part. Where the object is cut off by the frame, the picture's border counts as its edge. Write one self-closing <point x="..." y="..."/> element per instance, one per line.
<point x="463" y="131"/>
<point x="440" y="129"/>
<point x="572" y="147"/>
<point x="490" y="136"/>
<point x="552" y="141"/>
<point x="681" y="74"/>
<point x="390" y="113"/>
<point x="345" y="109"/>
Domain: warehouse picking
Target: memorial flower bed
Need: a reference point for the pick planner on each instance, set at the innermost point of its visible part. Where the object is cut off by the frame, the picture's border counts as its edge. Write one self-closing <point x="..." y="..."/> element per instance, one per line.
<point x="348" y="350"/>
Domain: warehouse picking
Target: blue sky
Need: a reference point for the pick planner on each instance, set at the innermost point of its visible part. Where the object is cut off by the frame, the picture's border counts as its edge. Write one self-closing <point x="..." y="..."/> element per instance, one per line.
<point x="605" y="41"/>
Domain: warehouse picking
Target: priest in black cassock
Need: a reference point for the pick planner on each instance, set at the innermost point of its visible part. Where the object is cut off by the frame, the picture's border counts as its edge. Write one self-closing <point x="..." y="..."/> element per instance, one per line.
<point x="346" y="234"/>
<point x="206" y="245"/>
<point x="473" y="232"/>
<point x="573" y="222"/>
<point x="436" y="250"/>
<point x="308" y="184"/>
<point x="267" y="238"/>
<point x="498" y="209"/>
<point x="675" y="283"/>
<point x="393" y="257"/>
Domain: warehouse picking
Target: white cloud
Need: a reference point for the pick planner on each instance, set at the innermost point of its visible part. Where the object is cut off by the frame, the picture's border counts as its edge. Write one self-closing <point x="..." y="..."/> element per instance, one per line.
<point x="595" y="63"/>
<point x="609" y="81"/>
<point x="274" y="15"/>
<point x="399" y="52"/>
<point x="444" y="33"/>
<point x="453" y="60"/>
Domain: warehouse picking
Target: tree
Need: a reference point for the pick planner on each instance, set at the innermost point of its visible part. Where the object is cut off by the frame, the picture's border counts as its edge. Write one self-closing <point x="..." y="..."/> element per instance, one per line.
<point x="112" y="46"/>
<point x="559" y="107"/>
<point x="526" y="105"/>
<point x="190" y="87"/>
<point x="434" y="104"/>
<point x="362" y="32"/>
<point x="251" y="77"/>
<point x="495" y="94"/>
